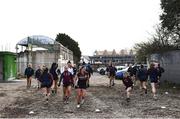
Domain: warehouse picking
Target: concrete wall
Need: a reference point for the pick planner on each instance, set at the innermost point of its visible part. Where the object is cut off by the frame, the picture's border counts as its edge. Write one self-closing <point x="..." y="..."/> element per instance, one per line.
<point x="42" y="58"/>
<point x="170" y="61"/>
<point x="21" y="62"/>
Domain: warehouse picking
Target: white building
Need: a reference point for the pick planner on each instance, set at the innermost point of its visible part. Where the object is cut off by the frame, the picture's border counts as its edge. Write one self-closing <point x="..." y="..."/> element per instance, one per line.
<point x="41" y="50"/>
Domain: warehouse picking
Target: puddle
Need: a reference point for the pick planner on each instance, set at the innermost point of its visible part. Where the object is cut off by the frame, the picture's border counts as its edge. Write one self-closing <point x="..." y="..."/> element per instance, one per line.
<point x="3" y="94"/>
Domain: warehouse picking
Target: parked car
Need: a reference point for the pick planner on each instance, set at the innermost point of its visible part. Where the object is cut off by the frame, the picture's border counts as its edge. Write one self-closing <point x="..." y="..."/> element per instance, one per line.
<point x="102" y="72"/>
<point x="139" y="66"/>
<point x="120" y="67"/>
<point x="119" y="73"/>
<point x="98" y="69"/>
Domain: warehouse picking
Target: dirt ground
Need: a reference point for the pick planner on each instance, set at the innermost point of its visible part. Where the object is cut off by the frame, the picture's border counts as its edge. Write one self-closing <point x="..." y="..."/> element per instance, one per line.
<point x="16" y="102"/>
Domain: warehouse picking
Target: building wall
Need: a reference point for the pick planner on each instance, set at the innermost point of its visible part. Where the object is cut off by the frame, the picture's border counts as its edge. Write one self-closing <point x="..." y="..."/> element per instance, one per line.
<point x="41" y="58"/>
<point x="170" y="61"/>
<point x="21" y="62"/>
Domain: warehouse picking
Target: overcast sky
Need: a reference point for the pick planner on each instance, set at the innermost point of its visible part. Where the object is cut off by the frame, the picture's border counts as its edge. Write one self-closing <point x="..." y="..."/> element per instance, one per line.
<point x="95" y="24"/>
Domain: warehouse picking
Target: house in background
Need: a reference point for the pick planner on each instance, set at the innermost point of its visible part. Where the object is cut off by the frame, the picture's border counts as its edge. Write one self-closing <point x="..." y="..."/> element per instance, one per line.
<point x="85" y="59"/>
<point x="121" y="57"/>
<point x="41" y="50"/>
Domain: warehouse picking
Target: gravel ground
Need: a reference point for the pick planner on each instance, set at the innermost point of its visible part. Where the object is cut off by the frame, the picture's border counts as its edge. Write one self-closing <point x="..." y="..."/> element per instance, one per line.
<point x="101" y="102"/>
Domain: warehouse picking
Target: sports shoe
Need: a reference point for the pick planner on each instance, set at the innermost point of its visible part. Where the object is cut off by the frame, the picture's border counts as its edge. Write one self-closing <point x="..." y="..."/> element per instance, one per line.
<point x="145" y="91"/>
<point x="47" y="100"/>
<point x="64" y="101"/>
<point x="87" y="85"/>
<point x="67" y="100"/>
<point x="155" y="97"/>
<point x="78" y="106"/>
<point x="128" y="99"/>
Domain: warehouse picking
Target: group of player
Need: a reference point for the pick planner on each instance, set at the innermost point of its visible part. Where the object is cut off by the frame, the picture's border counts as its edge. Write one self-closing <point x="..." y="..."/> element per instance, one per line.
<point x="138" y="73"/>
<point x="78" y="78"/>
<point x="71" y="76"/>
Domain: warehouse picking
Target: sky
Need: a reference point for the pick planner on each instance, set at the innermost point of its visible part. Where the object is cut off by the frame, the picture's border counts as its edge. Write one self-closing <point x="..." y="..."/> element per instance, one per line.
<point x="94" y="24"/>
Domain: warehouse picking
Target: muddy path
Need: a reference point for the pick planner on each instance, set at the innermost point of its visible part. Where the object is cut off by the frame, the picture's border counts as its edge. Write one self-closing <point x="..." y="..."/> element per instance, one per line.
<point x="17" y="102"/>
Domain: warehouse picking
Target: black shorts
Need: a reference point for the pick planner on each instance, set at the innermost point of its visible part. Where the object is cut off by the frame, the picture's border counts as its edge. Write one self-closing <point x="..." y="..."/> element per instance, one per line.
<point x="29" y="77"/>
<point x="55" y="79"/>
<point x="154" y="81"/>
<point x="112" y="74"/>
<point x="82" y="84"/>
<point x="66" y="85"/>
<point x="142" y="80"/>
<point x="45" y="86"/>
